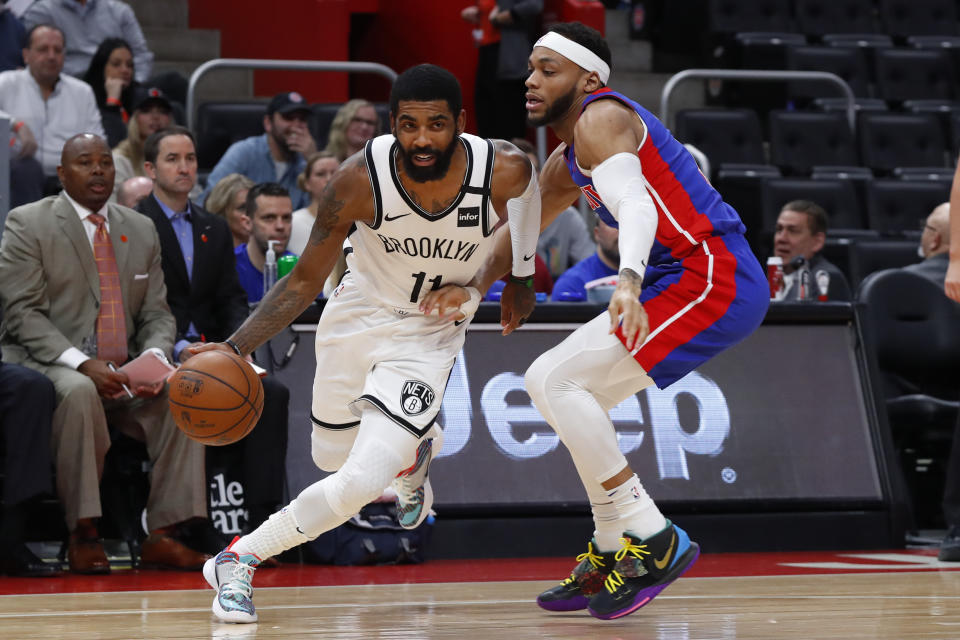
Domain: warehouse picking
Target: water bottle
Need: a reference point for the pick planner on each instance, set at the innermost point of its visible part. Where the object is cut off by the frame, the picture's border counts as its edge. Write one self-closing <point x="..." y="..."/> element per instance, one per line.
<point x="270" y="268"/>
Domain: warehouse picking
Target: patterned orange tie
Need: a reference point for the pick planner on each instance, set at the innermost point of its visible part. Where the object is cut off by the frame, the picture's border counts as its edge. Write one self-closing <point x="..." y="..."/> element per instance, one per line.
<point x="111" y="321"/>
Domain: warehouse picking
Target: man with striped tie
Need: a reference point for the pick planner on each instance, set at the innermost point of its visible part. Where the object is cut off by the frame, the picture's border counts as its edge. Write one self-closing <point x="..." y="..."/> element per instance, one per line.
<point x="83" y="292"/>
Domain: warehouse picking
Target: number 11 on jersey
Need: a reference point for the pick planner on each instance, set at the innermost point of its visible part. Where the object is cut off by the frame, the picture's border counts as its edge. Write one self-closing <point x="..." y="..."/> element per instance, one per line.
<point x="418" y="279"/>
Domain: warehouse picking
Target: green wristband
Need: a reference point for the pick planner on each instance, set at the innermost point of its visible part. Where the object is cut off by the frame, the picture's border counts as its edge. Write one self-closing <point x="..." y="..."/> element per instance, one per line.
<point x="527" y="282"/>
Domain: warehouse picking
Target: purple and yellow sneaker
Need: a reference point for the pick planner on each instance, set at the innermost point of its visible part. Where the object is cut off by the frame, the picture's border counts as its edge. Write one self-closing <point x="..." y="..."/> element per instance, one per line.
<point x="585" y="581"/>
<point x="231" y="575"/>
<point x="644" y="568"/>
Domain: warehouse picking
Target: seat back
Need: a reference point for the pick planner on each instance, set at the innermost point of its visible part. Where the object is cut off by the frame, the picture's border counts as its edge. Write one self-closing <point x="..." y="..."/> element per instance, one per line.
<point x="800" y="140"/>
<point x="847" y="62"/>
<point x="890" y="140"/>
<point x="902" y="205"/>
<point x="869" y="255"/>
<point x="220" y="124"/>
<point x="912" y="328"/>
<point x="903" y="18"/>
<point x="818" y="17"/>
<point x="724" y="135"/>
<point x="837" y="197"/>
<point x="731" y="16"/>
<point x="914" y="74"/>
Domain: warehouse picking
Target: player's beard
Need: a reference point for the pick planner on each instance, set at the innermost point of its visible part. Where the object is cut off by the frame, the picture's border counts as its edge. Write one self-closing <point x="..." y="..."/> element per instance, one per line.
<point x="556" y="110"/>
<point x="437" y="170"/>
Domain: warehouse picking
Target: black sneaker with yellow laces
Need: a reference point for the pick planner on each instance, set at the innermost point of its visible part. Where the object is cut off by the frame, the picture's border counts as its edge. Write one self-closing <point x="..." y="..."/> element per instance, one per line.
<point x="643" y="569"/>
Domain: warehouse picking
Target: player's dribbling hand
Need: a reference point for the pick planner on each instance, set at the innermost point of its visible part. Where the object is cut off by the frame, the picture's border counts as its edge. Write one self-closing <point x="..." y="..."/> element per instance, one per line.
<point x="627" y="312"/>
<point x="952" y="283"/>
<point x="516" y="304"/>
<point x="199" y="347"/>
<point x="446" y="302"/>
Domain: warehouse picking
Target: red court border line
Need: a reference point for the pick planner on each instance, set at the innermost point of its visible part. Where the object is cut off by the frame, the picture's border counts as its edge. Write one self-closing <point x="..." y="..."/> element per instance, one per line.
<point x="440" y="571"/>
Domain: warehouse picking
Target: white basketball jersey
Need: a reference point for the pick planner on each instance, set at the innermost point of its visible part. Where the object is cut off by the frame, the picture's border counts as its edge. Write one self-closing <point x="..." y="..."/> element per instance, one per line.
<point x="409" y="251"/>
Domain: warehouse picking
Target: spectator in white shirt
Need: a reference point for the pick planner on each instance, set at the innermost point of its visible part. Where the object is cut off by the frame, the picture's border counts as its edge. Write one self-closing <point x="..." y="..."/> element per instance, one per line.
<point x="54" y="106"/>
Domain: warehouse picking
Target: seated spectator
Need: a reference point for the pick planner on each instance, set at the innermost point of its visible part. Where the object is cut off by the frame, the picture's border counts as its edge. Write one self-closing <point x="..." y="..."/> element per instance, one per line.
<point x="209" y="305"/>
<point x="12" y="35"/>
<point x="26" y="174"/>
<point x="599" y="270"/>
<point x="27" y="399"/>
<point x="934" y="246"/>
<point x="271" y="213"/>
<point x="355" y="123"/>
<point x="320" y="168"/>
<point x="276" y="156"/>
<point x="567" y="240"/>
<point x="110" y="75"/>
<point x="56" y="324"/>
<point x="799" y="236"/>
<point x="151" y="112"/>
<point x="54" y="106"/>
<point x="87" y="23"/>
<point x="229" y="201"/>
<point x="133" y="190"/>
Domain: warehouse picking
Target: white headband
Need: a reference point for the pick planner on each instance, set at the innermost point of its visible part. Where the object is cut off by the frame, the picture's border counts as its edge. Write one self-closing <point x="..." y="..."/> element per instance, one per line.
<point x="576" y="53"/>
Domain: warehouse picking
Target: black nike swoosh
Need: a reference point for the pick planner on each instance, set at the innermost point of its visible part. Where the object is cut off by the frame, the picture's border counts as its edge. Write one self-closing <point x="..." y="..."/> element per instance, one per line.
<point x="389" y="219"/>
<point x="457" y="323"/>
<point x="525" y="258"/>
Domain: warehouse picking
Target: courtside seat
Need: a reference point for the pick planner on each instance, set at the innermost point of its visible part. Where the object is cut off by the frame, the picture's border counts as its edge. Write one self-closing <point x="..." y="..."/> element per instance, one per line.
<point x="848" y="63"/>
<point x="733" y="16"/>
<point x="220" y="124"/>
<point x="914" y="74"/>
<point x="909" y="330"/>
<point x="725" y="135"/>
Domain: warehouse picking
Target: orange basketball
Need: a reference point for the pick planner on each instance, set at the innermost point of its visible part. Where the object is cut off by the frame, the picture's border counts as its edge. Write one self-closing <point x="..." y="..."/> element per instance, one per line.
<point x="216" y="397"/>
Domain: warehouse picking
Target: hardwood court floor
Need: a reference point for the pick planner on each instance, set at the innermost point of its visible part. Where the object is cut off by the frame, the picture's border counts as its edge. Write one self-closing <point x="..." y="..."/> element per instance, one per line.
<point x="895" y="595"/>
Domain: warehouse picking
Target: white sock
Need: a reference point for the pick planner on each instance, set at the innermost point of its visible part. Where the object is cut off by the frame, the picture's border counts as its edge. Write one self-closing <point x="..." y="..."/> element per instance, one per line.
<point x="606" y="519"/>
<point x="637" y="512"/>
<point x="278" y="533"/>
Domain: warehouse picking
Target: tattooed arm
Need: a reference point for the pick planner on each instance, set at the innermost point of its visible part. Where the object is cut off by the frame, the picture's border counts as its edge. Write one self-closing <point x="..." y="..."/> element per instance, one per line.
<point x="345" y="200"/>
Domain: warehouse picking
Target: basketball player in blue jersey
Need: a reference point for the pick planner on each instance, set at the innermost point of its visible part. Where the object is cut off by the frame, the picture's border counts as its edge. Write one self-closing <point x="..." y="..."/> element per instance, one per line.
<point x="419" y="208"/>
<point x="689" y="287"/>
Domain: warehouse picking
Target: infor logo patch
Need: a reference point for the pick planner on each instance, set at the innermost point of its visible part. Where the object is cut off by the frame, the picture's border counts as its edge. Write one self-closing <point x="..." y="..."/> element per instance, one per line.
<point x="416" y="397"/>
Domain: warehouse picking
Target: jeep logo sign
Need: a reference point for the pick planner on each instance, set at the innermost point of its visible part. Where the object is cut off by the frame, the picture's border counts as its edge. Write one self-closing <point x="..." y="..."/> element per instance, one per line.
<point x="416" y="397"/>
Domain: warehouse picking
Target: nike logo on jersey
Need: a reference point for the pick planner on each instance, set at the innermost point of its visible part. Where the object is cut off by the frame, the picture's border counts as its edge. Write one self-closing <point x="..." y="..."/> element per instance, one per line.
<point x="457" y="323"/>
<point x="387" y="217"/>
<point x="435" y="248"/>
<point x="527" y="258"/>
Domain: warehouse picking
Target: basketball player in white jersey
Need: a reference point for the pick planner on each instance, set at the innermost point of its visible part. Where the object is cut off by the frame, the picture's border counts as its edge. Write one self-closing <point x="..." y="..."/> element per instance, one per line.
<point x="419" y="208"/>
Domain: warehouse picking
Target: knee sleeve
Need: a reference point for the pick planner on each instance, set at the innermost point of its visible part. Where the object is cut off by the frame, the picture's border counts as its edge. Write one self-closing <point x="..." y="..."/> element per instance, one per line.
<point x="329" y="449"/>
<point x="369" y="469"/>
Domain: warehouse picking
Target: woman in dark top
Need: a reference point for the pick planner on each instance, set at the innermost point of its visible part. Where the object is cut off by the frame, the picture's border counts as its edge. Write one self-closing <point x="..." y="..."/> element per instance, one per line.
<point x="111" y="76"/>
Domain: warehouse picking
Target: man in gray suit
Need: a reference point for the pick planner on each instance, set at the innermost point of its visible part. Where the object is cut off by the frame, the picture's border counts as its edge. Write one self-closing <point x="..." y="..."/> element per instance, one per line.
<point x="64" y="261"/>
<point x="934" y="246"/>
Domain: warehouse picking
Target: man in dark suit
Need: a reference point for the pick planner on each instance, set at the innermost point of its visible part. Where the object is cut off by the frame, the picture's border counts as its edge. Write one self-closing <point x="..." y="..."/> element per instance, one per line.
<point x="27" y="399"/>
<point x="209" y="304"/>
<point x="83" y="291"/>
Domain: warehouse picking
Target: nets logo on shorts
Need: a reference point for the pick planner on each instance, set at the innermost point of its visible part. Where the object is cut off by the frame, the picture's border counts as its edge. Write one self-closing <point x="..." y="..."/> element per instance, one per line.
<point x="416" y="397"/>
